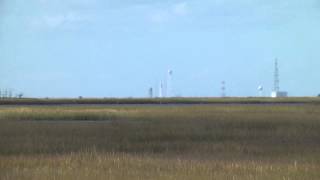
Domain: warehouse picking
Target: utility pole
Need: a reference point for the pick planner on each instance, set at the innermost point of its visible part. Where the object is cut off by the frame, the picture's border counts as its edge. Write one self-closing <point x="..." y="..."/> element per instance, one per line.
<point x="276" y="85"/>
<point x="161" y="90"/>
<point x="223" y="89"/>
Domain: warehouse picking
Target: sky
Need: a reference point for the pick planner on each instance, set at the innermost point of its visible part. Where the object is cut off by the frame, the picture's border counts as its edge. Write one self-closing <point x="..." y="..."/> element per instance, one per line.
<point x="112" y="48"/>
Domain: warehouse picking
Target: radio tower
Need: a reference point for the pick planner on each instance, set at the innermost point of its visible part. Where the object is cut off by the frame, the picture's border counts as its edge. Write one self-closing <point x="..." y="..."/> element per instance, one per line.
<point x="223" y="89"/>
<point x="276" y="84"/>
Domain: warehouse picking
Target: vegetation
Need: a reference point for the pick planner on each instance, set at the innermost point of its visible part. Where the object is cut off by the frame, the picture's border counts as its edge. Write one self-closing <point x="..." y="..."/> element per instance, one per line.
<point x="204" y="100"/>
<point x="264" y="141"/>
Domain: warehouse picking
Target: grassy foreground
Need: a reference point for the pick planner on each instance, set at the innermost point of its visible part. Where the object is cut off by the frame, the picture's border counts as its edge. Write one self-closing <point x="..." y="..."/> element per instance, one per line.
<point x="153" y="142"/>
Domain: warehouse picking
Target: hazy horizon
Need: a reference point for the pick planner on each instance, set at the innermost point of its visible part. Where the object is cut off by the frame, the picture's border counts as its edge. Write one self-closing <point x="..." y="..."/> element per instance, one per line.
<point x="109" y="48"/>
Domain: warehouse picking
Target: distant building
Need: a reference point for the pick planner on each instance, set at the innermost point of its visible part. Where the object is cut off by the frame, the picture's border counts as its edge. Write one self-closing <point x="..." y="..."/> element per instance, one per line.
<point x="276" y="94"/>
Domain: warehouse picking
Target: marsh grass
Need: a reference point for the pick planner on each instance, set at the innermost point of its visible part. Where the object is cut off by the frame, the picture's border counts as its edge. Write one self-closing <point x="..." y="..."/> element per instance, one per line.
<point x="155" y="142"/>
<point x="122" y="166"/>
<point x="182" y="100"/>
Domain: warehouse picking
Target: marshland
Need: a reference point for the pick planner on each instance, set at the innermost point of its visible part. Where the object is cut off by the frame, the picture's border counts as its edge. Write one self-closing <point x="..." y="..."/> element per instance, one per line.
<point x="195" y="141"/>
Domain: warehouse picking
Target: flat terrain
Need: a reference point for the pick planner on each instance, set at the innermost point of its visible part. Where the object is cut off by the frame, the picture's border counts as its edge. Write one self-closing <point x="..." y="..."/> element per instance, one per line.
<point x="160" y="101"/>
<point x="218" y="141"/>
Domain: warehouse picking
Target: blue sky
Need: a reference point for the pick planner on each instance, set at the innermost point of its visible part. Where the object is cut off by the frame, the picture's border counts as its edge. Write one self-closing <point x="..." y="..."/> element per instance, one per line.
<point x="112" y="48"/>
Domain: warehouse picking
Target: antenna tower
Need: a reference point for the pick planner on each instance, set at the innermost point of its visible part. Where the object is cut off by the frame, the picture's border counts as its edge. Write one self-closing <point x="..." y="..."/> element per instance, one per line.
<point x="276" y="85"/>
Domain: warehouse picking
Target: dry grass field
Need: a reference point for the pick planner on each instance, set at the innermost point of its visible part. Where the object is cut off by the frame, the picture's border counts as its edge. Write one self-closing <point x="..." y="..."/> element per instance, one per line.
<point x="227" y="142"/>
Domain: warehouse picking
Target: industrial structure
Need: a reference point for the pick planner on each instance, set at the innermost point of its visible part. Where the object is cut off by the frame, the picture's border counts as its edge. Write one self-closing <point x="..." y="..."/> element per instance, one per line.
<point x="165" y="87"/>
<point x="151" y="92"/>
<point x="223" y="89"/>
<point x="9" y="94"/>
<point x="5" y="94"/>
<point x="276" y="93"/>
<point x="169" y="84"/>
<point x="260" y="90"/>
<point x="161" y="88"/>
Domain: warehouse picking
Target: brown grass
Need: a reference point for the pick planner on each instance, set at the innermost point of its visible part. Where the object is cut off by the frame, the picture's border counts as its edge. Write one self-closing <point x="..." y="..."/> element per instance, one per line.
<point x="151" y="142"/>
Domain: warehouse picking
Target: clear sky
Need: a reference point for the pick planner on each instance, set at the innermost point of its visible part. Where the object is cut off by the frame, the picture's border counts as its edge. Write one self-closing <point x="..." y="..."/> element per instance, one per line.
<point x="120" y="48"/>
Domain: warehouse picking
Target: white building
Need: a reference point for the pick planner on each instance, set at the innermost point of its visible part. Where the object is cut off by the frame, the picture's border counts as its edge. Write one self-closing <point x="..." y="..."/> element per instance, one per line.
<point x="277" y="94"/>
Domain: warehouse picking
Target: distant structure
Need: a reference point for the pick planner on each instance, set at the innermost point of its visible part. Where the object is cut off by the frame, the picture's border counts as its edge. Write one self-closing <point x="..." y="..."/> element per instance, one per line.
<point x="5" y="94"/>
<point x="8" y="94"/>
<point x="161" y="90"/>
<point x="276" y="84"/>
<point x="151" y="92"/>
<point x="20" y="95"/>
<point x="169" y="84"/>
<point x="260" y="91"/>
<point x="223" y="89"/>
